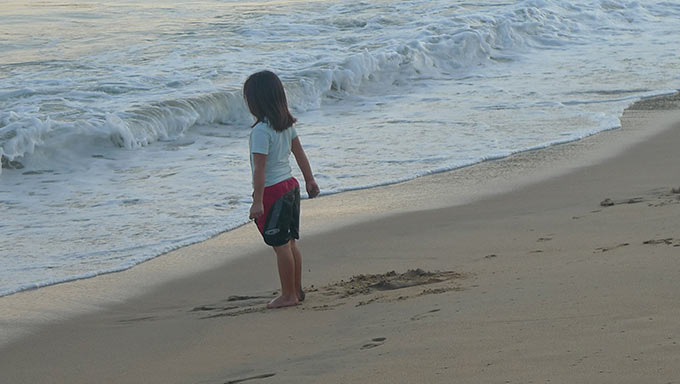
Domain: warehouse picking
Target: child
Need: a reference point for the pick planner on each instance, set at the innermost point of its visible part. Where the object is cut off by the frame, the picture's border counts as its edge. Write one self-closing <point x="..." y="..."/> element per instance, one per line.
<point x="276" y="196"/>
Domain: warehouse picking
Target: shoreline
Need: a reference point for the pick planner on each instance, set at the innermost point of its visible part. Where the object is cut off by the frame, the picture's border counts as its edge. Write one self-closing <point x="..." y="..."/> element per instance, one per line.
<point x="406" y="179"/>
<point x="198" y="270"/>
<point x="562" y="155"/>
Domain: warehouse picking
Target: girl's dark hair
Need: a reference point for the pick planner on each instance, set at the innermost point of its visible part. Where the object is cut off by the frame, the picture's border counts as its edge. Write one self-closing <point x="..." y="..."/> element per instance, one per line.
<point x="266" y="98"/>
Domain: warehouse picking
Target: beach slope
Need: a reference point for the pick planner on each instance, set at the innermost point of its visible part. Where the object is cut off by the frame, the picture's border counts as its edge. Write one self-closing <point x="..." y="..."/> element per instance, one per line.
<point x="558" y="265"/>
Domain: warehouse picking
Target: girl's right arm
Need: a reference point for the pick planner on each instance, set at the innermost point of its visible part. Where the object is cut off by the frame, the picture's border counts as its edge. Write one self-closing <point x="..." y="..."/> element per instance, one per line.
<point x="303" y="163"/>
<point x="259" y="163"/>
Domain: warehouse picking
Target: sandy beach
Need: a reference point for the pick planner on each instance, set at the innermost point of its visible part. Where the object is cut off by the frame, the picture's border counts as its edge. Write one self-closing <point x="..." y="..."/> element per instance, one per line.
<point x="551" y="266"/>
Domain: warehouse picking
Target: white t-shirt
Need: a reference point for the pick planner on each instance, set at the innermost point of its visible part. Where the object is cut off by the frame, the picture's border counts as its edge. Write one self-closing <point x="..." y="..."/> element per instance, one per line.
<point x="276" y="145"/>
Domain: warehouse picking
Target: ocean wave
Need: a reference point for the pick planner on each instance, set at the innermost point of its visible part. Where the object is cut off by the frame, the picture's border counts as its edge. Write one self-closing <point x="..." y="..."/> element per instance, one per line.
<point x="22" y="133"/>
<point x="385" y="92"/>
<point x="449" y="47"/>
<point x="169" y="119"/>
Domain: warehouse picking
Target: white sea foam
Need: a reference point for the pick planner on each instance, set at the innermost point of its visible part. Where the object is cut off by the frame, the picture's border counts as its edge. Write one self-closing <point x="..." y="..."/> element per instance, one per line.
<point x="118" y="151"/>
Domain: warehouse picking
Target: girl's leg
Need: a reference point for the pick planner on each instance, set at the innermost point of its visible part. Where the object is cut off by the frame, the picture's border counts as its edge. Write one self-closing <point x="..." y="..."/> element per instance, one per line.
<point x="286" y="265"/>
<point x="297" y="256"/>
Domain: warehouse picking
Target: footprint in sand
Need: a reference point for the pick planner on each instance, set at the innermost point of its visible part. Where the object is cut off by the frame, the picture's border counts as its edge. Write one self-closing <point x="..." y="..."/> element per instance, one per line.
<point x="610" y="202"/>
<point x="238" y="305"/>
<point x="667" y="241"/>
<point x="384" y="287"/>
<point x="424" y="315"/>
<point x="137" y="319"/>
<point x="242" y="298"/>
<point x="659" y="197"/>
<point x="607" y="202"/>
<point x="606" y="249"/>
<point x="376" y="342"/>
<point x="257" y="377"/>
<point x="363" y="290"/>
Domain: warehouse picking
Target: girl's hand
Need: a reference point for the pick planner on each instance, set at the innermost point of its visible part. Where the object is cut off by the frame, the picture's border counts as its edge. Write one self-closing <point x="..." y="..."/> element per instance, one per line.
<point x="256" y="210"/>
<point x="312" y="189"/>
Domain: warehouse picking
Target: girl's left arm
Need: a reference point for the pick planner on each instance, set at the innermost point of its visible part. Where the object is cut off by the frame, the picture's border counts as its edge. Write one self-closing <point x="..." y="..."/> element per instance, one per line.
<point x="303" y="163"/>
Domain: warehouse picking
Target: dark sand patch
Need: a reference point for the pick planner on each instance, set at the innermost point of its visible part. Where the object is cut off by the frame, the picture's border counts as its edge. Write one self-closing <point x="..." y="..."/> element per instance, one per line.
<point x="387" y="287"/>
<point x="668" y="103"/>
<point x="390" y="281"/>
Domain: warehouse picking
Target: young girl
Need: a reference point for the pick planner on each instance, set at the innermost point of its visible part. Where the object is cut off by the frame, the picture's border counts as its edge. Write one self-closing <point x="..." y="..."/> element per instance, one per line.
<point x="276" y="196"/>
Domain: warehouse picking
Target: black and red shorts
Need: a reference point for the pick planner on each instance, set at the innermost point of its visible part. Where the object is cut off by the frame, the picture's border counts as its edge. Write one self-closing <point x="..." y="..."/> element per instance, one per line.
<point x="281" y="219"/>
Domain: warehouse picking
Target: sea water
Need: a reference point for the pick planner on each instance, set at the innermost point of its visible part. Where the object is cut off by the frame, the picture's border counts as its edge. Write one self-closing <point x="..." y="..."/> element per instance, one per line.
<point x="123" y="133"/>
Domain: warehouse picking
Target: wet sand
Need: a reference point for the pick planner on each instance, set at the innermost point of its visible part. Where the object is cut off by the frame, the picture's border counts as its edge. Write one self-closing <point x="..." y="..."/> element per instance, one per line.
<point x="558" y="265"/>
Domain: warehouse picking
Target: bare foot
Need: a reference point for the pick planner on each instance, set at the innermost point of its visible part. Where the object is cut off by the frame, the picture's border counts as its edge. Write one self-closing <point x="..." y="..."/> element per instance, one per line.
<point x="281" y="302"/>
<point x="301" y="295"/>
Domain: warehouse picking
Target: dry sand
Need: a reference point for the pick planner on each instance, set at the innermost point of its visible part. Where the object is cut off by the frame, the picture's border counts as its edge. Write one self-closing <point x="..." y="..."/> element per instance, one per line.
<point x="510" y="271"/>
